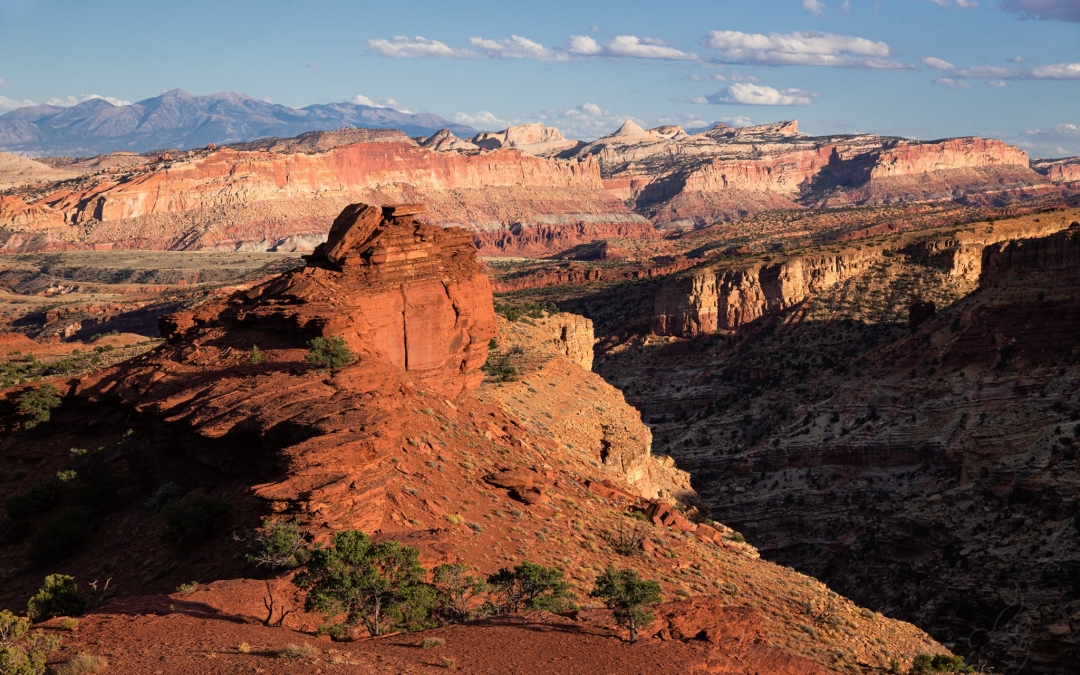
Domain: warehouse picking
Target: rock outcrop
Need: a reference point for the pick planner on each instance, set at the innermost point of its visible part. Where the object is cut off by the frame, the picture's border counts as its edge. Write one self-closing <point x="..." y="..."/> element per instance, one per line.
<point x="256" y="199"/>
<point x="399" y="443"/>
<point x="726" y="296"/>
<point x="1065" y="170"/>
<point x="405" y="294"/>
<point x="533" y="138"/>
<point x="16" y="171"/>
<point x="553" y="357"/>
<point x="731" y="171"/>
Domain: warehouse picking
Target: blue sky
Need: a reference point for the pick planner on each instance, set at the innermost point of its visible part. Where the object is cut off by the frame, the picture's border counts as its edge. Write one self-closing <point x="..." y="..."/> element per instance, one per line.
<point x="918" y="68"/>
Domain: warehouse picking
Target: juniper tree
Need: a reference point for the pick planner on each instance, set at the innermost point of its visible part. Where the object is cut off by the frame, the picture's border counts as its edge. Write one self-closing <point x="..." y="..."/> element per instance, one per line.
<point x="378" y="586"/>
<point x="627" y="595"/>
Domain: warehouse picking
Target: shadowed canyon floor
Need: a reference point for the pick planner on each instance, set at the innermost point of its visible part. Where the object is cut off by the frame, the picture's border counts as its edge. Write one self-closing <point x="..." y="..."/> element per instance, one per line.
<point x="895" y="416"/>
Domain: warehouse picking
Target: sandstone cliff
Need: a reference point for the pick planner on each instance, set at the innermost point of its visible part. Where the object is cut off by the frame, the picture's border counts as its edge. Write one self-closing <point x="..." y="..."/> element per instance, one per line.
<point x="728" y="172"/>
<point x="727" y="296"/>
<point x="556" y="395"/>
<point x="227" y="198"/>
<point x="1065" y="170"/>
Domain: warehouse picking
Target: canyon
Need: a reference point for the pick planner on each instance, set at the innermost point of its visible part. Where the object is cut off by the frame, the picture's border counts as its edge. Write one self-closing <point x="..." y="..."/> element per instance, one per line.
<point x="524" y="191"/>
<point x="411" y="440"/>
<point x="894" y="417"/>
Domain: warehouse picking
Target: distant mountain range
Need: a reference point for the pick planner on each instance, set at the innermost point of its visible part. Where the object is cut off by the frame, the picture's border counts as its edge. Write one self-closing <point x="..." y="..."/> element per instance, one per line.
<point x="177" y="119"/>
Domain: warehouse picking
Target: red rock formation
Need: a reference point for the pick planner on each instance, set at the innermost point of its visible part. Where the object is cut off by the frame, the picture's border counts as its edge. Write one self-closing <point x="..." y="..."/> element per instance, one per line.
<point x="229" y="197"/>
<point x="425" y="305"/>
<point x="727" y="172"/>
<point x="1065" y="170"/>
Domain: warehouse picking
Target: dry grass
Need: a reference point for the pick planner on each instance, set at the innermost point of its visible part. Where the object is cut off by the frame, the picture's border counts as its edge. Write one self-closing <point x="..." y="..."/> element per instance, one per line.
<point x="69" y="623"/>
<point x="82" y="664"/>
<point x="298" y="651"/>
<point x="449" y="663"/>
<point x="430" y="642"/>
<point x="243" y="648"/>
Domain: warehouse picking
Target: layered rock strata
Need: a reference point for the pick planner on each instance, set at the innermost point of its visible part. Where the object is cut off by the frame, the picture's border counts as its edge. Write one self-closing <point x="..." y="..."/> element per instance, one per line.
<point x="258" y="198"/>
<point x="724" y="172"/>
<point x="726" y="296"/>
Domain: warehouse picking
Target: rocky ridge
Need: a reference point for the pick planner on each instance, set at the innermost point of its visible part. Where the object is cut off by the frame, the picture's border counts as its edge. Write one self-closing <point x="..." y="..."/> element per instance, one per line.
<point x="396" y="443"/>
<point x="725" y="296"/>
<point x="260" y="198"/>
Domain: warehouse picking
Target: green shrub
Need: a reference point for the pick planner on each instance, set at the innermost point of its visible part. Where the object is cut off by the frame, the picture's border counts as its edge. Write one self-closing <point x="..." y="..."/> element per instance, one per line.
<point x="41" y="497"/>
<point x="529" y="309"/>
<point x="98" y="486"/>
<point x="63" y="535"/>
<point x="23" y="652"/>
<point x="500" y="369"/>
<point x="193" y="518"/>
<point x="37" y="404"/>
<point x="379" y="586"/>
<point x="167" y="493"/>
<point x="330" y="352"/>
<point x="58" y="597"/>
<point x="256" y="356"/>
<point x="627" y="595"/>
<point x="140" y="463"/>
<point x="278" y="545"/>
<point x="530" y="586"/>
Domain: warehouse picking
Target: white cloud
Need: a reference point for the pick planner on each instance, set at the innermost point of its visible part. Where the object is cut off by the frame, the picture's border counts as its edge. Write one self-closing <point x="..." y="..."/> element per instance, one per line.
<point x="645" y="48"/>
<point x="1060" y="141"/>
<point x="584" y="45"/>
<point x="937" y="64"/>
<point x="587" y="121"/>
<point x="815" y="7"/>
<point x="1016" y="59"/>
<point x="61" y="102"/>
<point x="1057" y="71"/>
<point x="515" y="47"/>
<point x="1059" y="10"/>
<point x="693" y="121"/>
<point x="311" y="65"/>
<point x="951" y="83"/>
<point x="733" y="76"/>
<point x="959" y="4"/>
<point x="1053" y="71"/>
<point x="997" y="83"/>
<point x="380" y="102"/>
<point x="519" y="47"/>
<point x="800" y="49"/>
<point x="481" y="120"/>
<point x="755" y="94"/>
<point x="1" y="80"/>
<point x="68" y="101"/>
<point x="10" y="103"/>
<point x="402" y="47"/>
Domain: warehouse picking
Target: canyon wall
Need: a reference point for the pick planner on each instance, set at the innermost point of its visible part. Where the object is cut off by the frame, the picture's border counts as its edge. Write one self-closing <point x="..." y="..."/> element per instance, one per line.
<point x="1065" y="170"/>
<point x="727" y="296"/>
<point x="672" y="176"/>
<point x="226" y="198"/>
